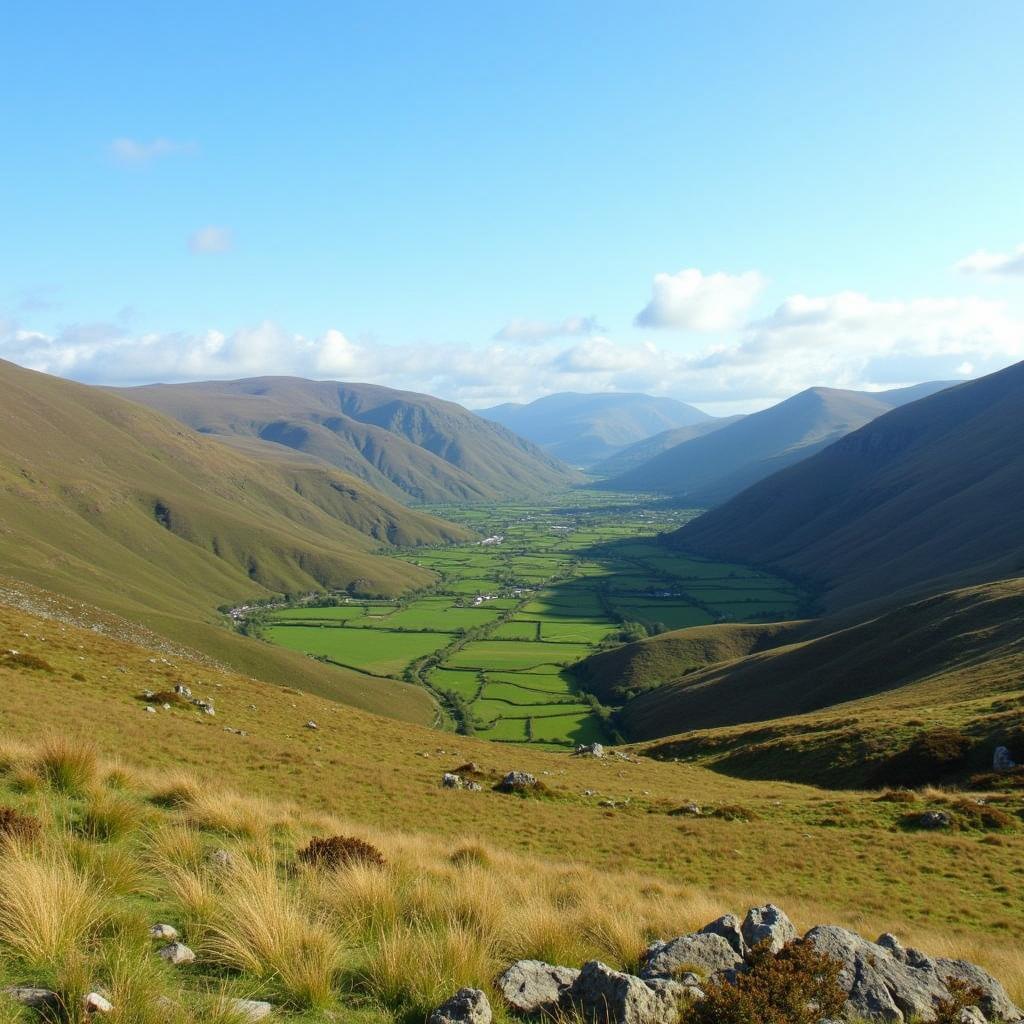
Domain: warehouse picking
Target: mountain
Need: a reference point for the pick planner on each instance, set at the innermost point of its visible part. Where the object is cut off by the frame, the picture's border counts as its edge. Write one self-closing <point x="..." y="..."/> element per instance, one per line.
<point x="583" y="429"/>
<point x="944" y="658"/>
<point x="406" y="445"/>
<point x="643" y="451"/>
<point x="927" y="497"/>
<point x="709" y="470"/>
<point x="113" y="504"/>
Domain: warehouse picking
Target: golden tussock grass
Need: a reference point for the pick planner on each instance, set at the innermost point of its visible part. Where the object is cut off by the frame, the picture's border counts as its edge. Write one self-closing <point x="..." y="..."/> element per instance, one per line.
<point x="48" y="907"/>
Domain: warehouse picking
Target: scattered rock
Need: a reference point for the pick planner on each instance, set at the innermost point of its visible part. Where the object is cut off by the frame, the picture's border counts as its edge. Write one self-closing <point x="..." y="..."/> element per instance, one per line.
<point x="467" y="1006"/>
<point x="220" y="858"/>
<point x="96" y="1003"/>
<point x="589" y="750"/>
<point x="250" y="1009"/>
<point x="934" y="819"/>
<point x="692" y="809"/>
<point x="177" y="953"/>
<point x="605" y="996"/>
<point x="473" y="787"/>
<point x="767" y="924"/>
<point x="534" y="987"/>
<point x="182" y="691"/>
<point x="1001" y="760"/>
<point x="729" y="927"/>
<point x="167" y="932"/>
<point x="516" y="781"/>
<point x="707" y="952"/>
<point x="451" y="781"/>
<point x="150" y="709"/>
<point x="36" y="998"/>
<point x="312" y="725"/>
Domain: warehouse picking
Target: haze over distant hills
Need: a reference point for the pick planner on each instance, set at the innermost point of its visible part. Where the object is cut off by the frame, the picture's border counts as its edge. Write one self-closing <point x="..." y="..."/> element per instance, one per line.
<point x="926" y="497"/>
<point x="643" y="451"/>
<point x="711" y="469"/>
<point x="119" y="506"/>
<point x="404" y="444"/>
<point x="582" y="429"/>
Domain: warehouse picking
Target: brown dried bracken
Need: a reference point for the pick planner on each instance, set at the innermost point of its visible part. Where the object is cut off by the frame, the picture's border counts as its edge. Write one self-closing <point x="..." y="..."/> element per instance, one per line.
<point x="18" y="826"/>
<point x="340" y="851"/>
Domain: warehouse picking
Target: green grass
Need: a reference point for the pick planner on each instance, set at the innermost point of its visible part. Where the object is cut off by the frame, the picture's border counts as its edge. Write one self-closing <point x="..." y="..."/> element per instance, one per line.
<point x="503" y="654"/>
<point x="370" y="650"/>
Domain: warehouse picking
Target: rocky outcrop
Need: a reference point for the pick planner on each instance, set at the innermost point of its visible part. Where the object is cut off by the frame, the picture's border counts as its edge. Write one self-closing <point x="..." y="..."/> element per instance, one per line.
<point x="467" y="1006"/>
<point x="534" y="988"/>
<point x="517" y="782"/>
<point x="767" y="924"/>
<point x="703" y="953"/>
<point x="603" y="996"/>
<point x="731" y="929"/>
<point x="883" y="981"/>
<point x="886" y="982"/>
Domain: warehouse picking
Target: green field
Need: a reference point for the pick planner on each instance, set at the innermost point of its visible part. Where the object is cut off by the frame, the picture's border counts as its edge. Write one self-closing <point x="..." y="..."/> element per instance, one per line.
<point x="374" y="651"/>
<point x="493" y="639"/>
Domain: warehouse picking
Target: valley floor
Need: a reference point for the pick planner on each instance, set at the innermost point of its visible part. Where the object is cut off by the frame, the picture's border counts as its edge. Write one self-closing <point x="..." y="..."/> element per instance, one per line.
<point x="496" y="639"/>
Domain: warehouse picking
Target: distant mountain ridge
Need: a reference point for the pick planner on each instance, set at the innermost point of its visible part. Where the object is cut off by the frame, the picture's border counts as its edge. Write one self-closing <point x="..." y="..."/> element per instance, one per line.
<point x="650" y="447"/>
<point x="709" y="470"/>
<point x="928" y="496"/>
<point x="582" y="429"/>
<point x="407" y="445"/>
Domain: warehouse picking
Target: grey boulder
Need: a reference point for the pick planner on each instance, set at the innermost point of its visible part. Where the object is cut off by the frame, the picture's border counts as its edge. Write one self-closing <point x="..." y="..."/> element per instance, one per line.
<point x="534" y="987"/>
<point x="177" y="953"/>
<point x="705" y="953"/>
<point x="730" y="928"/>
<point x="250" y="1010"/>
<point x="517" y="781"/>
<point x="467" y="1006"/>
<point x="603" y="996"/>
<point x="995" y="1003"/>
<point x="767" y="924"/>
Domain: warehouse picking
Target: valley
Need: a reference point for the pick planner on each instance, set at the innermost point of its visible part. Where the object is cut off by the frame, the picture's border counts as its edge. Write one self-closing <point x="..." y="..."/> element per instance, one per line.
<point x="498" y="638"/>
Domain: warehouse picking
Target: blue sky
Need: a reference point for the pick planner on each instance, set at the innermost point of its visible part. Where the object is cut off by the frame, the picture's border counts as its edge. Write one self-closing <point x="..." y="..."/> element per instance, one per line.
<point x="724" y="202"/>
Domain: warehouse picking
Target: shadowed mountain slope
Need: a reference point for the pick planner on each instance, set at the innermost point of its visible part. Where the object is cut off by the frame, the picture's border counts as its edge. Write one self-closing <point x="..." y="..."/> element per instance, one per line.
<point x="585" y="428"/>
<point x="925" y="498"/>
<point x="709" y="470"/>
<point x="407" y="445"/>
<point x="958" y="645"/>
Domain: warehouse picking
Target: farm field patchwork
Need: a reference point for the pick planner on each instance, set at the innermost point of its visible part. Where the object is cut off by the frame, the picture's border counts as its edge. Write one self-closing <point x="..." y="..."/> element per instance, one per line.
<point x="494" y="638"/>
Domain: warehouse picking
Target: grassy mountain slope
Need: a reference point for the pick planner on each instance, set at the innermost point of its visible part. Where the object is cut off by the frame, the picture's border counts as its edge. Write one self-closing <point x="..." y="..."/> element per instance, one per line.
<point x="616" y="675"/>
<point x="711" y="469"/>
<point x="584" y="428"/>
<point x="957" y="646"/>
<point x="927" y="497"/>
<point x="118" y="506"/>
<point x="404" y="444"/>
<point x="643" y="451"/>
<point x="475" y="880"/>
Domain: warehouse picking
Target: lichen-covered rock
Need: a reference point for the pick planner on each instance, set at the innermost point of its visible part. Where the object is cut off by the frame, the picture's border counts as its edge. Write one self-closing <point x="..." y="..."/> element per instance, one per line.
<point x="36" y="998"/>
<point x="767" y="924"/>
<point x="603" y="996"/>
<point x="934" y="819"/>
<point x="879" y="986"/>
<point x="534" y="987"/>
<point x="250" y="1010"/>
<point x="451" y="781"/>
<point x="731" y="929"/>
<point x="167" y="932"/>
<point x="995" y="1003"/>
<point x="95" y="1002"/>
<point x="517" y="781"/>
<point x="704" y="952"/>
<point x="177" y="953"/>
<point x="467" y="1006"/>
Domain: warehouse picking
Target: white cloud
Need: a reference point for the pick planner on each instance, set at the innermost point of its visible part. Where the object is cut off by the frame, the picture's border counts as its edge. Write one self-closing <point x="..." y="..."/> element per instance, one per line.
<point x="134" y="152"/>
<point x="985" y="262"/>
<point x="842" y="340"/>
<point x="696" y="301"/>
<point x="533" y="331"/>
<point x="210" y="239"/>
